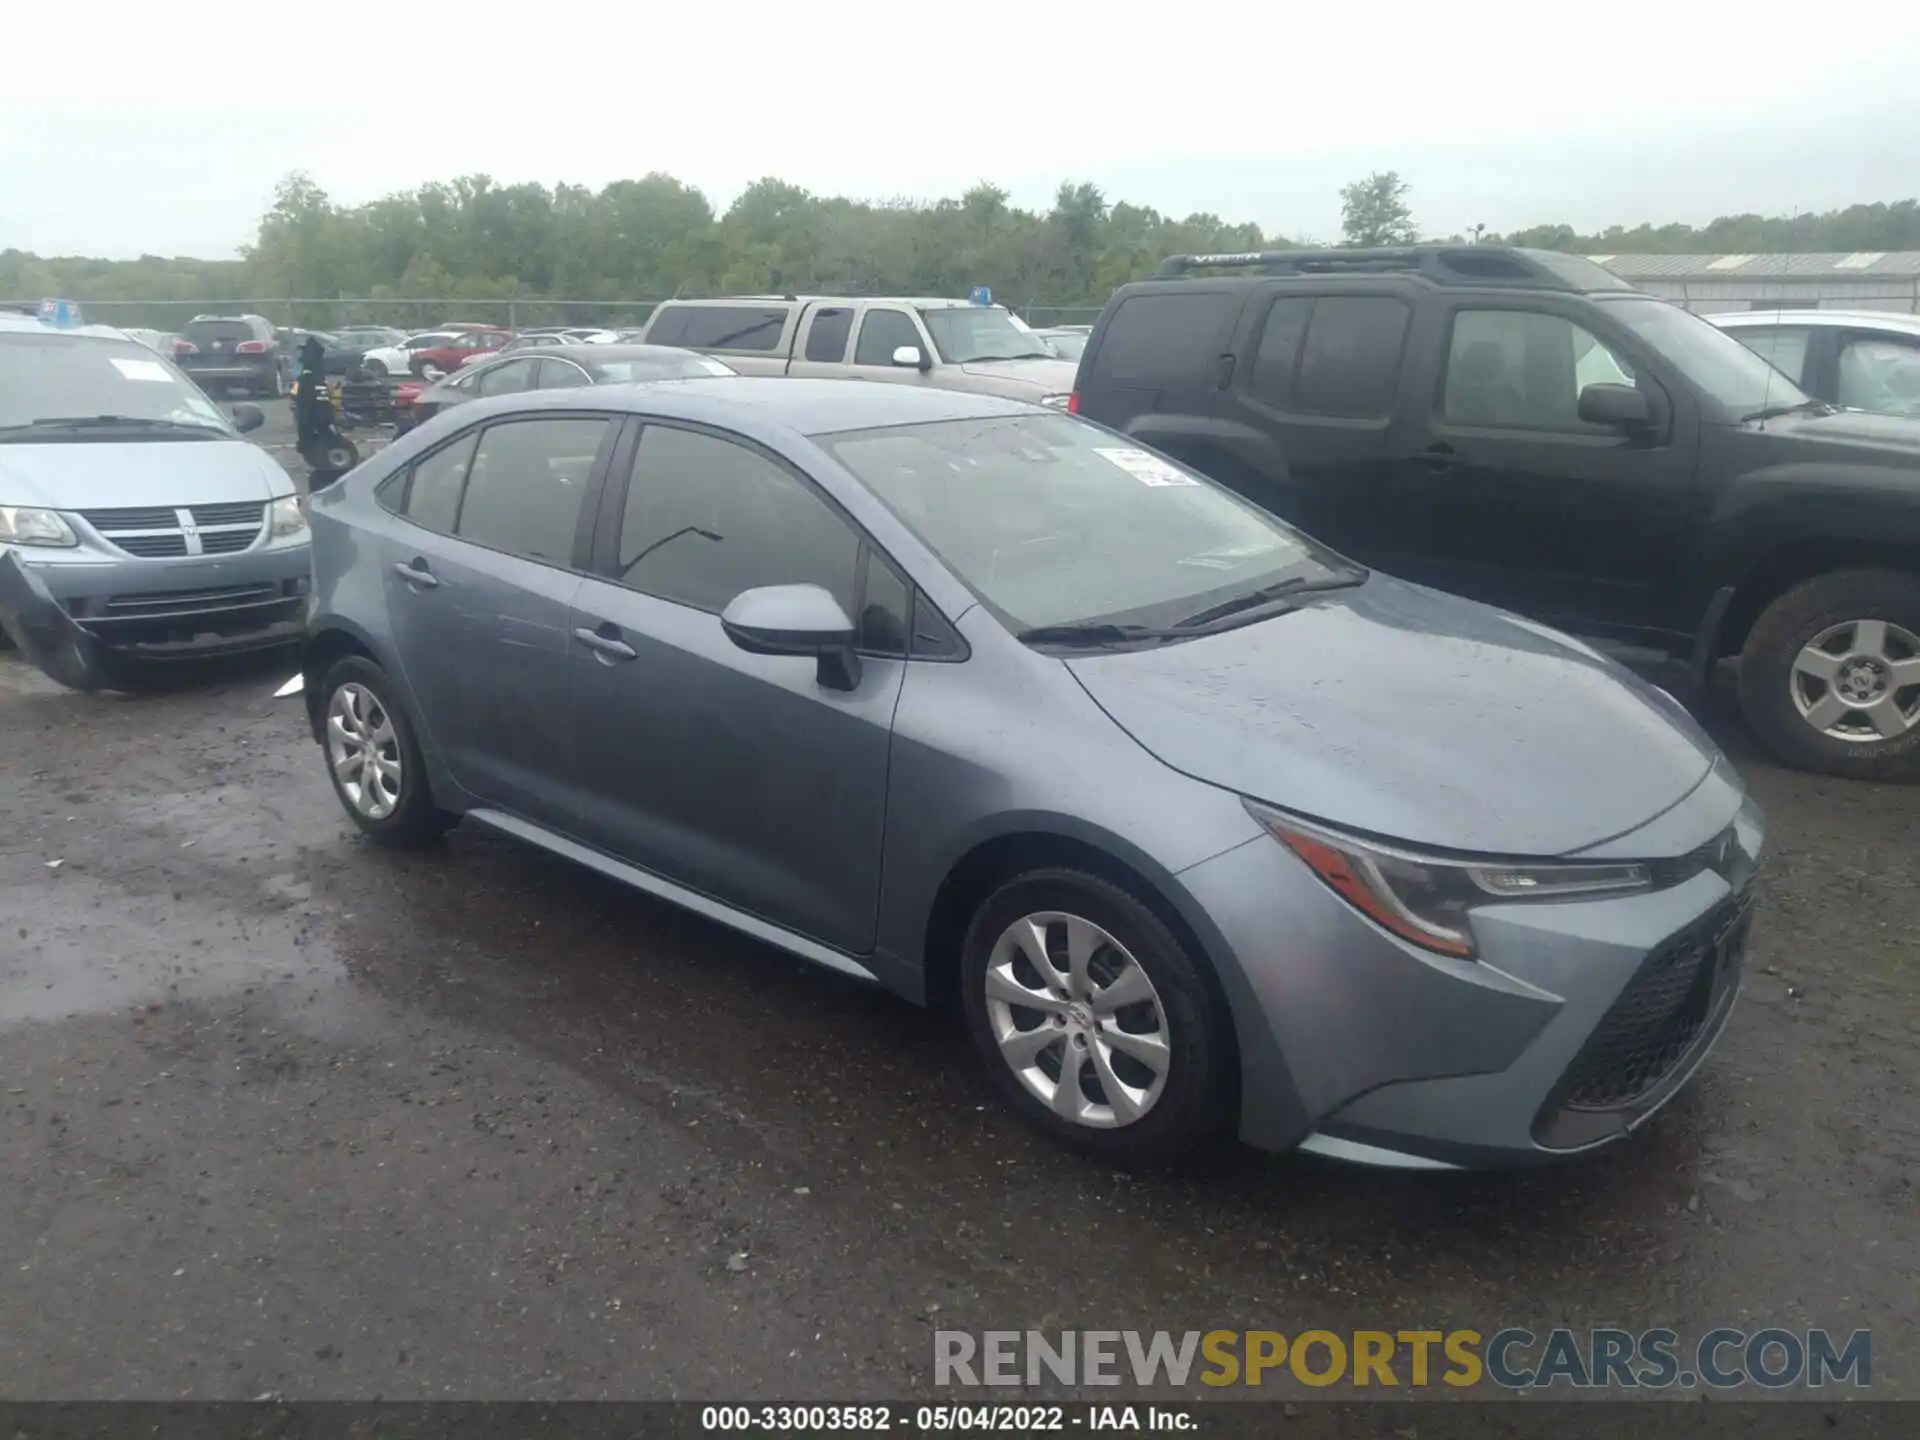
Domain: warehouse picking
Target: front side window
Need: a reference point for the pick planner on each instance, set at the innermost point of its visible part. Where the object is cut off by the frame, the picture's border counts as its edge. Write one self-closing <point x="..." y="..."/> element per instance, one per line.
<point x="881" y="333"/>
<point x="1053" y="521"/>
<point x="963" y="334"/>
<point x="1524" y="370"/>
<point x="707" y="518"/>
<point x="1784" y="348"/>
<point x="48" y="378"/>
<point x="1727" y="373"/>
<point x="1879" y="375"/>
<point x="526" y="484"/>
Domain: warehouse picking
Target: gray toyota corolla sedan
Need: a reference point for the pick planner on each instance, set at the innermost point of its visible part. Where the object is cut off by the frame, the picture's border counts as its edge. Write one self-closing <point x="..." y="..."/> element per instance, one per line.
<point x="1196" y="823"/>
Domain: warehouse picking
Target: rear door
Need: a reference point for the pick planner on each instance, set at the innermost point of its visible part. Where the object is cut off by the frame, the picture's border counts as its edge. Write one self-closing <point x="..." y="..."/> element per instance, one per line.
<point x="1321" y="370"/>
<point x="1162" y="349"/>
<point x="824" y="341"/>
<point x="480" y="585"/>
<point x="737" y="775"/>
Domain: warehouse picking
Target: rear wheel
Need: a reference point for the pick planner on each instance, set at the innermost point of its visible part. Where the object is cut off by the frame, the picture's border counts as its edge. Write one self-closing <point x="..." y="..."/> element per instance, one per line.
<point x="1093" y="1020"/>
<point x="377" y="369"/>
<point x="373" y="759"/>
<point x="1830" y="675"/>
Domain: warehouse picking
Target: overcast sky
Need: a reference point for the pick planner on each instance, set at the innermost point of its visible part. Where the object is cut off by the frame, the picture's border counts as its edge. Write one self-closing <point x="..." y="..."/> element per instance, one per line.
<point x="130" y="129"/>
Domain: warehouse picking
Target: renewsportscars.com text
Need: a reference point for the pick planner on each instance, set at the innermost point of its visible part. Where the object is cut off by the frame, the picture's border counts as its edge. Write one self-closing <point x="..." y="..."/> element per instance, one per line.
<point x="1512" y="1358"/>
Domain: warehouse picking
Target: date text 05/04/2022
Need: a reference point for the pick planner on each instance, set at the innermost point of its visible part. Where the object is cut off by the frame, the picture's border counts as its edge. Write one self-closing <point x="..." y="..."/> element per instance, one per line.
<point x="938" y="1419"/>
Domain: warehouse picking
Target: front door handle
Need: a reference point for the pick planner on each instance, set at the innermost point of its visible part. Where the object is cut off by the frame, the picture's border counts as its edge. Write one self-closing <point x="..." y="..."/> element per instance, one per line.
<point x="421" y="578"/>
<point x="1441" y="456"/>
<point x="607" y="647"/>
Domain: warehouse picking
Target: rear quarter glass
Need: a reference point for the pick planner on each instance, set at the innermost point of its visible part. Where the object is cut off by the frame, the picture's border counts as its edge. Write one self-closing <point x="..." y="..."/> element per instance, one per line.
<point x="1155" y="345"/>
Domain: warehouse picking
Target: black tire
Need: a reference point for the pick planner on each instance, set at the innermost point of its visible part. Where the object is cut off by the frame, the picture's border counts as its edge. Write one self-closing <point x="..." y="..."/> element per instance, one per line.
<point x="1196" y="1101"/>
<point x="414" y="819"/>
<point x="1784" y="629"/>
<point x="377" y="369"/>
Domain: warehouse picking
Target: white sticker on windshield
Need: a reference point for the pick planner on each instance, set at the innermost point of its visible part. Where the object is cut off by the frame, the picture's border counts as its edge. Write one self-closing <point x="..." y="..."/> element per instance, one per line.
<point x="1147" y="469"/>
<point x="142" y="369"/>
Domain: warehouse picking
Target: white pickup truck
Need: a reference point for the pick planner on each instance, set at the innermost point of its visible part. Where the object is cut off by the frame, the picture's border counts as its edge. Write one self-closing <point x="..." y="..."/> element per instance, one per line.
<point x="948" y="344"/>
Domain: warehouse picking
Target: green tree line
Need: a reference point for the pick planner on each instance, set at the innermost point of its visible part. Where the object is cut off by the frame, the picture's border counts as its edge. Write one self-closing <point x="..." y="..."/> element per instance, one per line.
<point x="475" y="240"/>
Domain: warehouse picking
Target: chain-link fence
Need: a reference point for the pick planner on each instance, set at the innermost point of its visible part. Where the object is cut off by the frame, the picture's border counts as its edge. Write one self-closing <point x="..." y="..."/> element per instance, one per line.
<point x="168" y="316"/>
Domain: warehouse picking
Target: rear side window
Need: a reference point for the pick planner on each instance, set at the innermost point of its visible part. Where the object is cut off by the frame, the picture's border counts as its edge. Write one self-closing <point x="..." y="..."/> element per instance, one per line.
<point x="827" y="336"/>
<point x="1350" y="363"/>
<point x="1165" y="339"/>
<point x="1277" y="356"/>
<point x="432" y="496"/>
<point x="526" y="484"/>
<point x="719" y="327"/>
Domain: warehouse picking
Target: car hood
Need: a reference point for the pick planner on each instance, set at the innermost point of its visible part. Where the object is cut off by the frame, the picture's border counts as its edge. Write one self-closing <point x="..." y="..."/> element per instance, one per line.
<point x="1044" y="377"/>
<point x="1848" y="432"/>
<point x="106" y="475"/>
<point x="1403" y="713"/>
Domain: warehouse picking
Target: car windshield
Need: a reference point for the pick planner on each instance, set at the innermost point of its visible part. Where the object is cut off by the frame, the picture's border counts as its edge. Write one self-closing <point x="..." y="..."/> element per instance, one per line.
<point x="613" y="372"/>
<point x="1730" y="374"/>
<point x="65" y="377"/>
<point x="1053" y="521"/>
<point x="963" y="333"/>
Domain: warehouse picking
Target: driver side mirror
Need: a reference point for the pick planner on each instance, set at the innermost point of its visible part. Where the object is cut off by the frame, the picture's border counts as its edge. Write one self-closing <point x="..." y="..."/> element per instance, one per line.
<point x="912" y="356"/>
<point x="795" y="620"/>
<point x="1620" y="407"/>
<point x="248" y="418"/>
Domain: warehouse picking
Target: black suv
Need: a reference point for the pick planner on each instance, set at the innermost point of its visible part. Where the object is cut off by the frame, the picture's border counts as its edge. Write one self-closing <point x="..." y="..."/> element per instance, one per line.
<point x="1525" y="428"/>
<point x="221" y="351"/>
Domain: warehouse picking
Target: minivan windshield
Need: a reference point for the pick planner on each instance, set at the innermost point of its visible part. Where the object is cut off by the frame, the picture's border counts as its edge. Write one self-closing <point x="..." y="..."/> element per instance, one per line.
<point x="1730" y="374"/>
<point x="46" y="378"/>
<point x="1053" y="521"/>
<point x="966" y="333"/>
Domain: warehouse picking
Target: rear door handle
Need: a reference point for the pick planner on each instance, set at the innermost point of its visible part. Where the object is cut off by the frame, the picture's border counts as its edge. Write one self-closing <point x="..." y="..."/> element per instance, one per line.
<point x="422" y="578"/>
<point x="1441" y="457"/>
<point x="606" y="646"/>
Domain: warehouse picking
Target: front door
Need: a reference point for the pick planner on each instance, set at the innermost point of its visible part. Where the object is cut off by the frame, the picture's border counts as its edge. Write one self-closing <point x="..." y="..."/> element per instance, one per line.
<point x="480" y="587"/>
<point x="883" y="330"/>
<point x="737" y="775"/>
<point x="1524" y="505"/>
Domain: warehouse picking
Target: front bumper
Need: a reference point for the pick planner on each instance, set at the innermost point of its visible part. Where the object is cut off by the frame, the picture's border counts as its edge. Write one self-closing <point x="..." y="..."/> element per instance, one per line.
<point x="81" y="620"/>
<point x="1579" y="1021"/>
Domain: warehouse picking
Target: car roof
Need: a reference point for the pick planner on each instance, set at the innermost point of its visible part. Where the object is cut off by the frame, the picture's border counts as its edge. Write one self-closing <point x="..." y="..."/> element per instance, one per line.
<point x="920" y="302"/>
<point x="14" y="322"/>
<point x="769" y="402"/>
<point x="1890" y="320"/>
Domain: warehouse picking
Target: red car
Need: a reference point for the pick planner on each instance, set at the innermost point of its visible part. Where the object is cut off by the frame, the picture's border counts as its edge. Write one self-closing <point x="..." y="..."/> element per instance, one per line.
<point x="444" y="359"/>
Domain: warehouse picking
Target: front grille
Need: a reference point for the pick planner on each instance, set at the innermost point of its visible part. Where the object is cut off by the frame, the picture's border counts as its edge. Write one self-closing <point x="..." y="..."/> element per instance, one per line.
<point x="170" y="602"/>
<point x="247" y="512"/>
<point x="225" y="542"/>
<point x="155" y="518"/>
<point x="151" y="547"/>
<point x="1659" y="1015"/>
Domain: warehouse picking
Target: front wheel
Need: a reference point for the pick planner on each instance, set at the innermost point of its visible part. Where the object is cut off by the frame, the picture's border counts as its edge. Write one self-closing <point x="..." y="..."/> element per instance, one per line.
<point x="1830" y="675"/>
<point x="373" y="759"/>
<point x="377" y="369"/>
<point x="431" y="372"/>
<point x="1094" y="1021"/>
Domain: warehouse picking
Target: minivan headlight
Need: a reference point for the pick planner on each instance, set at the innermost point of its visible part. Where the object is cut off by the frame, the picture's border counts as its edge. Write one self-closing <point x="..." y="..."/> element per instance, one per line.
<point x="284" y="518"/>
<point x="1424" y="899"/>
<point x="30" y="525"/>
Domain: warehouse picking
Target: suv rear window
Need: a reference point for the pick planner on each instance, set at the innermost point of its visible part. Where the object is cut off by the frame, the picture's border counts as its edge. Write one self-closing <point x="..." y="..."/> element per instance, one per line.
<point x="1168" y="338"/>
<point x="719" y="327"/>
<point x="202" y="331"/>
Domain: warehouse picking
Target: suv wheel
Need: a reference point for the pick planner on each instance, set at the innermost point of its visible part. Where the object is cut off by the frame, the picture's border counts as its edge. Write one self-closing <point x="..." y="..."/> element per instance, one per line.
<point x="373" y="759"/>
<point x="1093" y="1020"/>
<point x="1830" y="675"/>
<point x="278" y="388"/>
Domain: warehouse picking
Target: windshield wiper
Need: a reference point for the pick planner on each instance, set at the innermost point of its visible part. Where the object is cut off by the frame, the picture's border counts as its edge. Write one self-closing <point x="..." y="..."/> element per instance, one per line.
<point x="1091" y="632"/>
<point x="1023" y="355"/>
<point x="1268" y="594"/>
<point x="1774" y="412"/>
<point x="102" y="422"/>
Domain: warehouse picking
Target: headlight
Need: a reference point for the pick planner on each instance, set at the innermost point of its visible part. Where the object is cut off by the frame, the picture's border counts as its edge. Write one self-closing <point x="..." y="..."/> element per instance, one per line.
<point x="1055" y="402"/>
<point x="284" y="518"/>
<point x="29" y="525"/>
<point x="1424" y="899"/>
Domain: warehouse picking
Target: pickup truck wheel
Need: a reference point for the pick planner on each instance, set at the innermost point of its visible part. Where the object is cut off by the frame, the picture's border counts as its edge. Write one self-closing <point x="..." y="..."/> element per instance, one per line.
<point x="1830" y="675"/>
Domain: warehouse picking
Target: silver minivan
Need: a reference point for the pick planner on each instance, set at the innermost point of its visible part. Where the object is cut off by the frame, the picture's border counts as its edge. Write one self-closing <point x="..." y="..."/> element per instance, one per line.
<point x="136" y="525"/>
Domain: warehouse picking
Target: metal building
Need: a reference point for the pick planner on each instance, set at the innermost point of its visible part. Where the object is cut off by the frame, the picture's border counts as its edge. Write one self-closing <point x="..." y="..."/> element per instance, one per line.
<point x="1867" y="280"/>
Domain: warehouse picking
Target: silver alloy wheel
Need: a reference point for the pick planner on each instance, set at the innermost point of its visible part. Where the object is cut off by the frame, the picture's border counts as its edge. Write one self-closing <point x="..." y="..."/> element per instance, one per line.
<point x="1859" y="681"/>
<point x="430" y="371"/>
<point x="1078" y="1020"/>
<point x="364" y="750"/>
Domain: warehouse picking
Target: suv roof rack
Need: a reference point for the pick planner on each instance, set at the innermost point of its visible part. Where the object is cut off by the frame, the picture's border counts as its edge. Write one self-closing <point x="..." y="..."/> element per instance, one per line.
<point x="1503" y="265"/>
